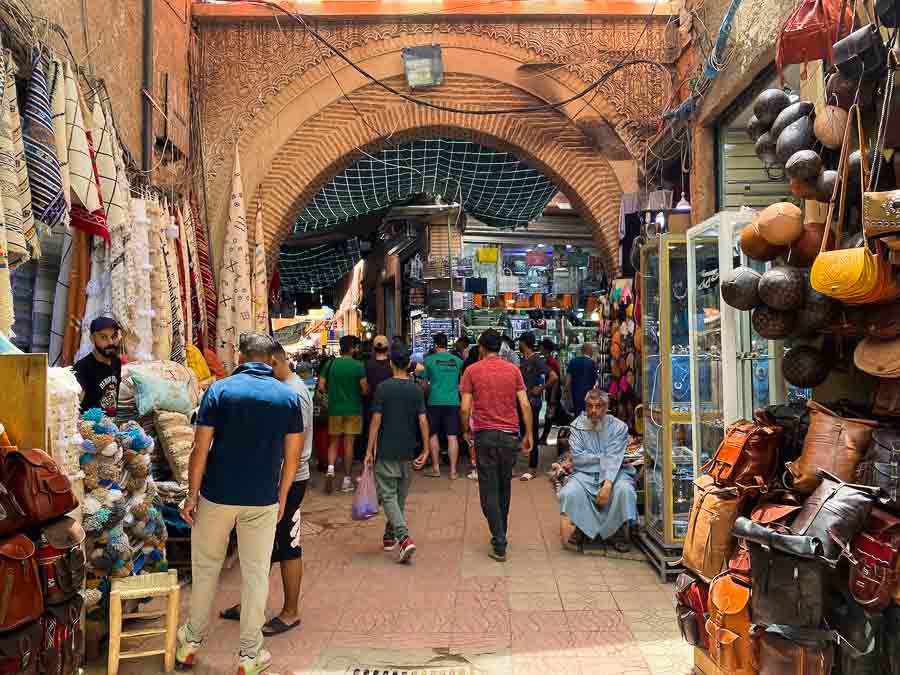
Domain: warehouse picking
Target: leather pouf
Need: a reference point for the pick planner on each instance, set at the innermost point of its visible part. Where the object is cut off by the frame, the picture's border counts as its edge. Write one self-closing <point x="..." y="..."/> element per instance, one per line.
<point x="780" y="224"/>
<point x="754" y="246"/>
<point x="783" y="288"/>
<point x="789" y="115"/>
<point x="769" y="104"/>
<point x="796" y="136"/>
<point x="817" y="313"/>
<point x="755" y="128"/>
<point x="829" y="126"/>
<point x="766" y="148"/>
<point x="803" y="189"/>
<point x="773" y="324"/>
<point x="805" y="367"/>
<point x="805" y="165"/>
<point x="825" y="184"/>
<point x="804" y="251"/>
<point x="740" y="288"/>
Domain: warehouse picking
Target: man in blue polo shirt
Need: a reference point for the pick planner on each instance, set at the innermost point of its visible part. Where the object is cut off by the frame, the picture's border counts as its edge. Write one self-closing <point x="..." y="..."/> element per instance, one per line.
<point x="246" y="451"/>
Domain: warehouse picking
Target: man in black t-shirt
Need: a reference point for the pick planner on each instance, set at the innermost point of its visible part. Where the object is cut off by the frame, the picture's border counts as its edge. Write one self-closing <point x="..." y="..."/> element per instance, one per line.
<point x="100" y="372"/>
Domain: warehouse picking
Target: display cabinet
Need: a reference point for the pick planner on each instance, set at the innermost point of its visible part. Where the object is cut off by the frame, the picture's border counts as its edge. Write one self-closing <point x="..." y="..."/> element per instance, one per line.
<point x="668" y="435"/>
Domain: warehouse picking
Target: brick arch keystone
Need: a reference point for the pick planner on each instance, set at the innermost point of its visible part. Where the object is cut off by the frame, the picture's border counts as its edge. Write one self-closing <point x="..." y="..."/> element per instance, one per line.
<point x="331" y="140"/>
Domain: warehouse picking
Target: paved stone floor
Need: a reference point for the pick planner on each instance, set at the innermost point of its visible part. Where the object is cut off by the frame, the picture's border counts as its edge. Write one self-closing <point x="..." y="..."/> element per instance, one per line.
<point x="545" y="610"/>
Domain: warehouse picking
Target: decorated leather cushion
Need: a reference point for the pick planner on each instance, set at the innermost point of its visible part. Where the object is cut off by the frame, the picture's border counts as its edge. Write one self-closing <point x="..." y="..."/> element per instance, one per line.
<point x="773" y="324"/>
<point x="805" y="367"/>
<point x="825" y="185"/>
<point x="766" y="148"/>
<point x="795" y="137"/>
<point x="177" y="438"/>
<point x="740" y="288"/>
<point x="804" y="165"/>
<point x="754" y="246"/>
<point x="803" y="189"/>
<point x="880" y="358"/>
<point x="817" y="313"/>
<point x="829" y="126"/>
<point x="769" y="104"/>
<point x="793" y="113"/>
<point x="780" y="224"/>
<point x="755" y="128"/>
<point x="804" y="251"/>
<point x="783" y="288"/>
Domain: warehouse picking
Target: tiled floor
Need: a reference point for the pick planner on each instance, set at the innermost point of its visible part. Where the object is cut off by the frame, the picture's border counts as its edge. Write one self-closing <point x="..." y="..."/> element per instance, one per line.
<point x="544" y="611"/>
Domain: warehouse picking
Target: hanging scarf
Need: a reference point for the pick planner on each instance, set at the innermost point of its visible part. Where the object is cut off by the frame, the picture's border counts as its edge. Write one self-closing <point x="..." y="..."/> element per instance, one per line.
<point x="7" y="317"/>
<point x="77" y="295"/>
<point x="23" y="299"/>
<point x="13" y="212"/>
<point x="141" y="299"/>
<point x="159" y="285"/>
<point x="61" y="300"/>
<point x="169" y="247"/>
<point x="48" y="201"/>
<point x="184" y="277"/>
<point x="88" y="214"/>
<point x="235" y="316"/>
<point x="204" y="261"/>
<point x="198" y="303"/>
<point x="57" y="76"/>
<point x="260" y="279"/>
<point x="48" y="269"/>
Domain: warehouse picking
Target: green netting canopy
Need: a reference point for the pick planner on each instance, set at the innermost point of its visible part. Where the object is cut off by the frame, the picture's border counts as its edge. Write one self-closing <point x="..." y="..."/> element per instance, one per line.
<point x="495" y="187"/>
<point x="313" y="269"/>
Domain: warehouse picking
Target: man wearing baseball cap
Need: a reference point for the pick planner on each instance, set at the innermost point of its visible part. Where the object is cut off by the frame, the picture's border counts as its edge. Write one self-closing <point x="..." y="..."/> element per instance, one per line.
<point x="100" y="372"/>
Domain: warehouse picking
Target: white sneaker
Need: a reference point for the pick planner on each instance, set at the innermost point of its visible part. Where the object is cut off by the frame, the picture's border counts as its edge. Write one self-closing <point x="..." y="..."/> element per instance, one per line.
<point x="347" y="485"/>
<point x="255" y="665"/>
<point x="185" y="650"/>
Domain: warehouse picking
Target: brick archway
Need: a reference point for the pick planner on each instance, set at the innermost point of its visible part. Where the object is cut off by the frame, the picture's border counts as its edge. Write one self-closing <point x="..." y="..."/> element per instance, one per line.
<point x="331" y="140"/>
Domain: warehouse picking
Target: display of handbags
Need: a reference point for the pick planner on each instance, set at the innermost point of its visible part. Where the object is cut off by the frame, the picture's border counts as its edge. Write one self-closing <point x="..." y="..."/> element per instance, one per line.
<point x="709" y="541"/>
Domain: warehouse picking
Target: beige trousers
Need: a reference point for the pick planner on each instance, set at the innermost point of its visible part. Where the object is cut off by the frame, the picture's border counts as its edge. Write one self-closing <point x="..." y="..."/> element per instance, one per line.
<point x="209" y="544"/>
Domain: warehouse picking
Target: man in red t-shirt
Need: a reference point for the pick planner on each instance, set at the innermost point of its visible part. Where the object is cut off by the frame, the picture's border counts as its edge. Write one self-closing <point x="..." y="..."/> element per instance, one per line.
<point x="490" y="389"/>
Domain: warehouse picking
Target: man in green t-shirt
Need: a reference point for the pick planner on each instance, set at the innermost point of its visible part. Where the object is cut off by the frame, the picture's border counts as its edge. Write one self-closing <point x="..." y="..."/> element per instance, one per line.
<point x="442" y="370"/>
<point x="344" y="379"/>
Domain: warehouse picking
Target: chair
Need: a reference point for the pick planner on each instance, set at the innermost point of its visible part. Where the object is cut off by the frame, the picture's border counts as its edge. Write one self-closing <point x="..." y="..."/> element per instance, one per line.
<point x="161" y="584"/>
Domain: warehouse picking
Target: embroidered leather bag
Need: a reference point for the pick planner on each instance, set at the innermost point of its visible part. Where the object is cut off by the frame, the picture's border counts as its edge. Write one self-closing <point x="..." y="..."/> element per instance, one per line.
<point x="833" y="443"/>
<point x="834" y="514"/>
<point x="728" y="626"/>
<point x="21" y="600"/>
<point x="747" y="458"/>
<point x="62" y="651"/>
<point x="20" y="650"/>
<point x="881" y="466"/>
<point x="693" y="597"/>
<point x="709" y="541"/>
<point x="788" y="650"/>
<point x="789" y="581"/>
<point x="881" y="210"/>
<point x="61" y="560"/>
<point x="873" y="561"/>
<point x="34" y="479"/>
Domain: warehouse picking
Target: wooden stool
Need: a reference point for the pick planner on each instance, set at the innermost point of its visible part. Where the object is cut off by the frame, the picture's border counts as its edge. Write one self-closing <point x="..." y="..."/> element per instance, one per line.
<point x="161" y="584"/>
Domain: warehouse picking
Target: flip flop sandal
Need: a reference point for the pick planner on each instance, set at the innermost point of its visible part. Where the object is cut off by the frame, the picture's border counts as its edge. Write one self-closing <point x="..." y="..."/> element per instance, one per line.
<point x="276" y="626"/>
<point x="454" y="476"/>
<point x="231" y="614"/>
<point x="433" y="474"/>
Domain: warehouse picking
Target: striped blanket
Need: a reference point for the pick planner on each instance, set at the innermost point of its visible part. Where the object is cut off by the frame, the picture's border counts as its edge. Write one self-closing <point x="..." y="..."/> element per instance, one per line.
<point x="204" y="260"/>
<point x="13" y="212"/>
<point x="61" y="301"/>
<point x="23" y="297"/>
<point x="21" y="168"/>
<point x="45" y="289"/>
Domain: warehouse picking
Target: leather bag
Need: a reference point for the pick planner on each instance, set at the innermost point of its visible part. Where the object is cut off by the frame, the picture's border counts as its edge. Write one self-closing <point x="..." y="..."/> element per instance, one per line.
<point x="61" y="560"/>
<point x="747" y="457"/>
<point x="21" y="600"/>
<point x="860" y="637"/>
<point x="883" y="321"/>
<point x="728" y="626"/>
<point x="20" y="650"/>
<point x="62" y="651"/>
<point x="34" y="479"/>
<point x="855" y="275"/>
<point x="887" y="399"/>
<point x="880" y="358"/>
<point x="692" y="599"/>
<point x="789" y="581"/>
<point x="833" y="443"/>
<point x="788" y="650"/>
<point x="793" y="418"/>
<point x="873" y="561"/>
<point x="881" y="210"/>
<point x="862" y="53"/>
<point x="834" y="514"/>
<point x="775" y="509"/>
<point x="809" y="33"/>
<point x="12" y="517"/>
<point x="708" y="542"/>
<point x="881" y="467"/>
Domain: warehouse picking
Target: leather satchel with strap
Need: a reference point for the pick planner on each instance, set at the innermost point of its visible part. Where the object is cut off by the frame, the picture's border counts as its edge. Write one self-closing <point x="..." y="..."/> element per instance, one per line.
<point x="39" y="487"/>
<point x="747" y="458"/>
<point x="855" y="276"/>
<point x="61" y="560"/>
<point x="708" y="543"/>
<point x="881" y="210"/>
<point x="692" y="597"/>
<point x="873" y="561"/>
<point x="729" y="626"/>
<point x="21" y="600"/>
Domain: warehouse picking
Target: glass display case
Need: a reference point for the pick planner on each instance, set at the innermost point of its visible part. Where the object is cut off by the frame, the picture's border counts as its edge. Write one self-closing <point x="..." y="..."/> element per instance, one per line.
<point x="667" y="386"/>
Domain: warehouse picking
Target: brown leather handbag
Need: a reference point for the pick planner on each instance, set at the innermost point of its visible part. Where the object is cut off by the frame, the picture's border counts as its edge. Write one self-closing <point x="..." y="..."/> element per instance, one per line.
<point x="728" y="625"/>
<point x="12" y="517"/>
<point x="775" y="509"/>
<point x="34" y="479"/>
<point x="881" y="466"/>
<point x="833" y="443"/>
<point x="708" y="542"/>
<point x="787" y="650"/>
<point x="61" y="560"/>
<point x="21" y="600"/>
<point x="747" y="457"/>
<point x="873" y="561"/>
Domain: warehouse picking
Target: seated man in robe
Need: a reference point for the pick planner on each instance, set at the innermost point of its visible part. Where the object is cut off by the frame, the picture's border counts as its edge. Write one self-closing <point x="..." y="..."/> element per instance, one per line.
<point x="598" y="442"/>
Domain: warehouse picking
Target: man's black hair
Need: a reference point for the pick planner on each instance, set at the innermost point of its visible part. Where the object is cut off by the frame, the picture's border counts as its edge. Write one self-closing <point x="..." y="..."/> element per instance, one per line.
<point x="440" y="340"/>
<point x="347" y="343"/>
<point x="462" y="339"/>
<point x="400" y="356"/>
<point x="257" y="345"/>
<point x="549" y="345"/>
<point x="490" y="340"/>
<point x="278" y="351"/>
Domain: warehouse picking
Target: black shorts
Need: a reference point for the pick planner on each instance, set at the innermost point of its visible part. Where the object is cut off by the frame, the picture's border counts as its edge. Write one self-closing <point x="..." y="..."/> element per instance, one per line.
<point x="282" y="550"/>
<point x="444" y="419"/>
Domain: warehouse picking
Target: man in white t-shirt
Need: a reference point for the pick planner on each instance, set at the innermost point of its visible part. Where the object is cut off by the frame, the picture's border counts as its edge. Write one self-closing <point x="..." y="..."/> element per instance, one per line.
<point x="286" y="550"/>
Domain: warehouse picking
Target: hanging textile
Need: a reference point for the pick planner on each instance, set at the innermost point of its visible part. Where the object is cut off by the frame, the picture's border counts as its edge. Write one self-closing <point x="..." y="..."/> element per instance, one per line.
<point x="88" y="214"/>
<point x="48" y="202"/>
<point x="99" y="299"/>
<point x="13" y="210"/>
<point x="260" y="279"/>
<point x="7" y="317"/>
<point x="184" y="277"/>
<point x="141" y="299"/>
<point x="198" y="302"/>
<point x="77" y="295"/>
<point x="159" y="285"/>
<point x="57" y="80"/>
<point x="45" y="289"/>
<point x="61" y="300"/>
<point x="210" y="292"/>
<point x="21" y="167"/>
<point x="235" y="301"/>
<point x="170" y="257"/>
<point x="23" y="297"/>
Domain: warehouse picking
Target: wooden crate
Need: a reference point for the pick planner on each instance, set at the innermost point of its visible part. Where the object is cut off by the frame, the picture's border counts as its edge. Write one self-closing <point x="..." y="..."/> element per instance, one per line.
<point x="24" y="408"/>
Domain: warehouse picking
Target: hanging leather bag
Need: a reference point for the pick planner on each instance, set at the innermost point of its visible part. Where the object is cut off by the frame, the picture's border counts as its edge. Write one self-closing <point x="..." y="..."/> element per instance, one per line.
<point x="62" y="651"/>
<point x="709" y="541"/>
<point x="881" y="467"/>
<point x="61" y="560"/>
<point x="834" y="514"/>
<point x="833" y="443"/>
<point x="728" y="626"/>
<point x="21" y="600"/>
<point x="789" y="650"/>
<point x="748" y="455"/>
<point x="873" y="561"/>
<point x="789" y="580"/>
<point x="883" y="321"/>
<point x="881" y="210"/>
<point x="862" y="54"/>
<point x="809" y="33"/>
<point x="855" y="275"/>
<point x="34" y="479"/>
<point x="20" y="650"/>
<point x="692" y="599"/>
